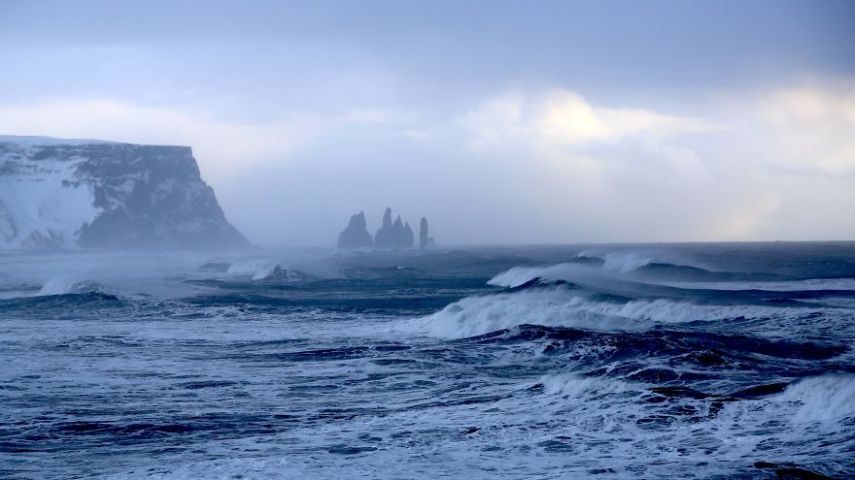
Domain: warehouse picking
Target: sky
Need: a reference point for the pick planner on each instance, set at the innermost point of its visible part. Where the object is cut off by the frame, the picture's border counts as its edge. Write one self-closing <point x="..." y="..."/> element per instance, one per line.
<point x="500" y="121"/>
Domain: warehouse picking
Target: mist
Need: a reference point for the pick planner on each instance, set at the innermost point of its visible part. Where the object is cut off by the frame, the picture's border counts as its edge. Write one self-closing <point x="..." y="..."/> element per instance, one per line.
<point x="500" y="127"/>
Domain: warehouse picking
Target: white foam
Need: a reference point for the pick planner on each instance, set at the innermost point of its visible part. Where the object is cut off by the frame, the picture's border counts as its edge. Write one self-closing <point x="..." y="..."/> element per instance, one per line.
<point x="625" y="261"/>
<point x="584" y="275"/>
<point x="517" y="276"/>
<point x="66" y="285"/>
<point x="828" y="398"/>
<point x="561" y="307"/>
<point x="484" y="314"/>
<point x="58" y="286"/>
<point x="577" y="387"/>
<point x="257" y="269"/>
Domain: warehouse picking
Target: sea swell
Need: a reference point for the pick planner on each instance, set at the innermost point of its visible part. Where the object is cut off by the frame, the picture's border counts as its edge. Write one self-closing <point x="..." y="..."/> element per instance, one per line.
<point x="481" y="363"/>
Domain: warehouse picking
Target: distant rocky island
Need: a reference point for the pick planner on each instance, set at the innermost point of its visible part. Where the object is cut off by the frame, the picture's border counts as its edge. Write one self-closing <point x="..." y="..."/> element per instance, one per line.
<point x="392" y="234"/>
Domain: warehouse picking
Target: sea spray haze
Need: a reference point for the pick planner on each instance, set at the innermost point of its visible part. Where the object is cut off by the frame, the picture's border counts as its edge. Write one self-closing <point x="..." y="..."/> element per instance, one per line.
<point x="689" y="361"/>
<point x="419" y="240"/>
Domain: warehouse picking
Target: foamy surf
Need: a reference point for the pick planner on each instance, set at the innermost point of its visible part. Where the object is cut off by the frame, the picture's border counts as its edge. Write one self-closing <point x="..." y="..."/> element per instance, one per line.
<point x="560" y="306"/>
<point x="394" y="366"/>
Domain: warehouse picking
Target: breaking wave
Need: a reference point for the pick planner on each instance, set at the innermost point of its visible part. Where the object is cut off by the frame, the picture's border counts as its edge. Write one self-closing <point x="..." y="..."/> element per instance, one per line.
<point x="65" y="286"/>
<point x="638" y="365"/>
<point x="262" y="269"/>
<point x="663" y="265"/>
<point x="570" y="295"/>
<point x="518" y="276"/>
<point x="562" y="307"/>
<point x="827" y="398"/>
<point x="625" y="261"/>
<point x="255" y="269"/>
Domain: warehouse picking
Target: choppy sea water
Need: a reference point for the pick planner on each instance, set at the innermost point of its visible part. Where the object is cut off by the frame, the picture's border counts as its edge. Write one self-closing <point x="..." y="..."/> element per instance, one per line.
<point x="681" y="361"/>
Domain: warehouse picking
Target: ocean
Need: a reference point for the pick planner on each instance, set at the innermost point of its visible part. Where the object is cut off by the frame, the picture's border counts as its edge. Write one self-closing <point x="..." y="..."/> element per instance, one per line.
<point x="707" y="361"/>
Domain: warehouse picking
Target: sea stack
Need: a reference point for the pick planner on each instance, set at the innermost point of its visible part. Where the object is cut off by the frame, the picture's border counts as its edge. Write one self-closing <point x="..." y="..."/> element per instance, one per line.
<point x="409" y="238"/>
<point x="355" y="235"/>
<point x="425" y="240"/>
<point x="393" y="235"/>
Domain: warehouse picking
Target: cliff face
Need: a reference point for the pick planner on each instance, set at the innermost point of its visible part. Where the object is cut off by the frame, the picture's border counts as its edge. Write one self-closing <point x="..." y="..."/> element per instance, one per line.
<point x="75" y="193"/>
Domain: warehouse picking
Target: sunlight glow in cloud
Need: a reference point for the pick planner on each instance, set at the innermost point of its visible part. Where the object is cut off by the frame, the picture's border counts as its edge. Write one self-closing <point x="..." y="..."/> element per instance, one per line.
<point x="752" y="173"/>
<point x="564" y="118"/>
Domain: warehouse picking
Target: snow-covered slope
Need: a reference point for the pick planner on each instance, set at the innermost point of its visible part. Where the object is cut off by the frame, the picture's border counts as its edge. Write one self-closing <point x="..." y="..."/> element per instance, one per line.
<point x="85" y="193"/>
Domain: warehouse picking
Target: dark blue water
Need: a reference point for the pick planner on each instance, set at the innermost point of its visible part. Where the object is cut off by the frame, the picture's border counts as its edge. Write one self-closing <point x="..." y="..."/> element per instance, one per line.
<point x="676" y="361"/>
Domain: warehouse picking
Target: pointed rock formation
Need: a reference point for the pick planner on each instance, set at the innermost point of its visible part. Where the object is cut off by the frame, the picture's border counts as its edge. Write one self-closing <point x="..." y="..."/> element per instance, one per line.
<point x="425" y="240"/>
<point x="393" y="235"/>
<point x="383" y="237"/>
<point x="355" y="235"/>
<point x="408" y="234"/>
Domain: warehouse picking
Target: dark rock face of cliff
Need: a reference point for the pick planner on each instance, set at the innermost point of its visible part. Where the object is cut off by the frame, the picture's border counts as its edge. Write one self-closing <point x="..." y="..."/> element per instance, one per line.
<point x="153" y="196"/>
<point x="355" y="235"/>
<point x="128" y="196"/>
<point x="393" y="235"/>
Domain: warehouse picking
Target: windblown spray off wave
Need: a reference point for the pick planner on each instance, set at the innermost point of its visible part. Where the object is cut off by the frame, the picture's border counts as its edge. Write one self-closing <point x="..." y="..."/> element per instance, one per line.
<point x="706" y="361"/>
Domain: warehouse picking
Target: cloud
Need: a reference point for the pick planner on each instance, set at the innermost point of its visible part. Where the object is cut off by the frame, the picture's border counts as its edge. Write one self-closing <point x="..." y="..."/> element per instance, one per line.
<point x="813" y="127"/>
<point x="223" y="148"/>
<point x="765" y="169"/>
<point x="596" y="172"/>
<point x="519" y="166"/>
<point x="560" y="118"/>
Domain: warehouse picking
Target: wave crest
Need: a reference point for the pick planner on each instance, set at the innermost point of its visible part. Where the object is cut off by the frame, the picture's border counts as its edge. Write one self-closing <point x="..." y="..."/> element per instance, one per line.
<point x="262" y="269"/>
<point x="828" y="398"/>
<point x="560" y="306"/>
<point x="66" y="286"/>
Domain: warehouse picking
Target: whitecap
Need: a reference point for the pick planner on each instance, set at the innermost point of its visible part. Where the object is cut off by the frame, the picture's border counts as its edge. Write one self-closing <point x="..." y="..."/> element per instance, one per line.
<point x="568" y="308"/>
<point x="256" y="269"/>
<point x="827" y="398"/>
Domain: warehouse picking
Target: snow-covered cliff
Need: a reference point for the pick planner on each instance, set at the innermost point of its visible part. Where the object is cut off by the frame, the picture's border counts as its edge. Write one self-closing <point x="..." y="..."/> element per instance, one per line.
<point x="84" y="193"/>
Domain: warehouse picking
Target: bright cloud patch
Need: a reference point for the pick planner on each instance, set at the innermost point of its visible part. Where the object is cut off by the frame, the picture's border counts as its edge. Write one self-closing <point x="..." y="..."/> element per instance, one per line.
<point x="565" y="118"/>
<point x="815" y="129"/>
<point x="764" y="170"/>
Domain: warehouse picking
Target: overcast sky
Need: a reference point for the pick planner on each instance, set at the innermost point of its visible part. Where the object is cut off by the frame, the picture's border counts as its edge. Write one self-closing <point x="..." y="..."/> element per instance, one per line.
<point x="502" y="122"/>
